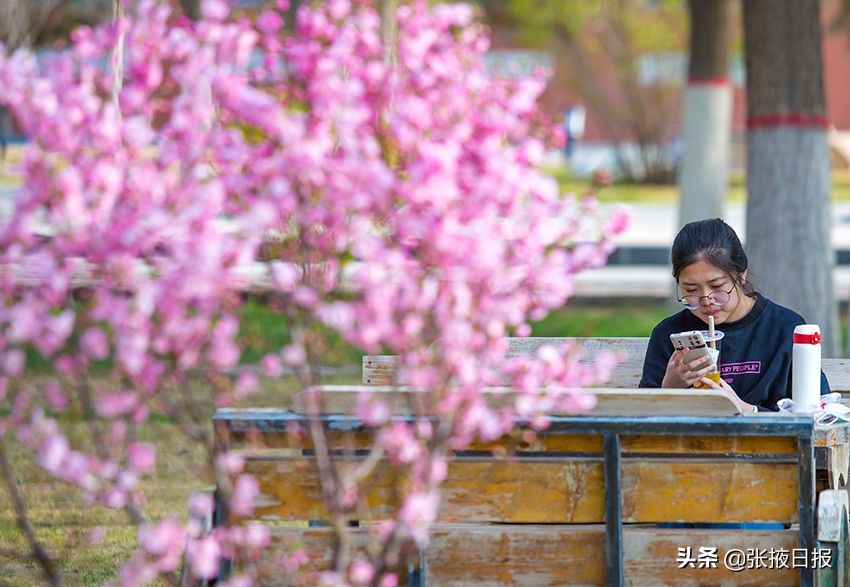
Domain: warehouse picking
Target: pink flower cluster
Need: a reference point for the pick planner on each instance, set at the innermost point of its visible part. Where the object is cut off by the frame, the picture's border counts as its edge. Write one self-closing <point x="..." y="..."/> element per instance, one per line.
<point x="406" y="193"/>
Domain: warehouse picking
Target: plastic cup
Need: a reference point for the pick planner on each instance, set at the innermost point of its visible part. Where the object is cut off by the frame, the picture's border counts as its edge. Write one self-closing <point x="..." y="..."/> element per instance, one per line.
<point x="709" y="338"/>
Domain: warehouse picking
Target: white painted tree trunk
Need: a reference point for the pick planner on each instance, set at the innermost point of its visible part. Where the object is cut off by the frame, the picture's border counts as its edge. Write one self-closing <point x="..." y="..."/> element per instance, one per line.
<point x="788" y="224"/>
<point x="788" y="174"/>
<point x="705" y="138"/>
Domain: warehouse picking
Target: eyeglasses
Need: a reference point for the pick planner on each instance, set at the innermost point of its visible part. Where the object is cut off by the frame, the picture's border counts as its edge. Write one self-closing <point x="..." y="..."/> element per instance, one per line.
<point x="716" y="298"/>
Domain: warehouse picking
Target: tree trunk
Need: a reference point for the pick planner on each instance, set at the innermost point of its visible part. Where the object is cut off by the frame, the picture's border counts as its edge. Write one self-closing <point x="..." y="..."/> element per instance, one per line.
<point x="788" y="175"/>
<point x="708" y="112"/>
<point x="22" y="20"/>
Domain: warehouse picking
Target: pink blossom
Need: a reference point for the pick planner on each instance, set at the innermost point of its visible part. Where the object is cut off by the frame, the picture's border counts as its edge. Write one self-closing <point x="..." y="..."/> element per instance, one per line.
<point x="439" y="470"/>
<point x="618" y="220"/>
<point x="245" y="492"/>
<point x="224" y="353"/>
<point x="272" y="366"/>
<point x="65" y="365"/>
<point x="237" y="581"/>
<point x="201" y="505"/>
<point x="115" y="404"/>
<point x="246" y="384"/>
<point x="127" y="481"/>
<point x="230" y="462"/>
<point x="53" y="452"/>
<point x="53" y="392"/>
<point x="360" y="572"/>
<point x="13" y="362"/>
<point x="115" y="498"/>
<point x="294" y="355"/>
<point x="96" y="535"/>
<point x="95" y="343"/>
<point x="141" y="456"/>
<point x="204" y="554"/>
<point x="400" y="444"/>
<point x="215" y="9"/>
<point x="117" y="432"/>
<point x="372" y="410"/>
<point x="164" y="539"/>
<point x="418" y="513"/>
<point x="256" y="535"/>
<point x="269" y="22"/>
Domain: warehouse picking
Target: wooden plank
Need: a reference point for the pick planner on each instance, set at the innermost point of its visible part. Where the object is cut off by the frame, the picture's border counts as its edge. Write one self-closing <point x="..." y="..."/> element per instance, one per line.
<point x="579" y="443"/>
<point x="364" y="439"/>
<point x="540" y="490"/>
<point x="317" y="544"/>
<point x="558" y="555"/>
<point x="462" y="555"/>
<point x="342" y="399"/>
<point x="381" y="369"/>
<point x="715" y="445"/>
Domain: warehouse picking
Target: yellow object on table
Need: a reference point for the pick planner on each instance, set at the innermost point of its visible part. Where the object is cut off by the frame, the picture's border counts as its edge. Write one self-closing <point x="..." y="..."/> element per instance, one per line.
<point x="714" y="376"/>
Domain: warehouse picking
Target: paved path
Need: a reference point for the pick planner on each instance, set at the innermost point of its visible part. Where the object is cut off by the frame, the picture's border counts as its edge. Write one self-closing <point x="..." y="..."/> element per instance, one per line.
<point x="655" y="226"/>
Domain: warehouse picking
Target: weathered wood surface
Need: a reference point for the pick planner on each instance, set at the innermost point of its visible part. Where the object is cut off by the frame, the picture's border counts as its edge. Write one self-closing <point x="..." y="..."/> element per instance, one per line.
<point x="462" y="555"/>
<point x="833" y="535"/>
<point x="837" y="434"/>
<point x="541" y="490"/>
<point x="342" y="399"/>
<point x="382" y="369"/>
<point x="706" y="445"/>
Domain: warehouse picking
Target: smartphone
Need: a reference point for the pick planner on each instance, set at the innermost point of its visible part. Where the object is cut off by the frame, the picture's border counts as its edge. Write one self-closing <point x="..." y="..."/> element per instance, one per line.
<point x="692" y="340"/>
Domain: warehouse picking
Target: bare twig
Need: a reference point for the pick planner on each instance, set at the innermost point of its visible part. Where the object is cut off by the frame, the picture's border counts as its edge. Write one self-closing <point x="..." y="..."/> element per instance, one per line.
<point x="39" y="553"/>
<point x="118" y="54"/>
<point x="98" y="438"/>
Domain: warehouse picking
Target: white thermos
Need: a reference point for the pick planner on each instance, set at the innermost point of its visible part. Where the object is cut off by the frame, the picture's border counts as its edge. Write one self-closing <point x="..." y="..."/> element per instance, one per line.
<point x="805" y="368"/>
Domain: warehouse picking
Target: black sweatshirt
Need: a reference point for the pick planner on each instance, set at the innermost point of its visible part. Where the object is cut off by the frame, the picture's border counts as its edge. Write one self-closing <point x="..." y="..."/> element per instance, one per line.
<point x="755" y="352"/>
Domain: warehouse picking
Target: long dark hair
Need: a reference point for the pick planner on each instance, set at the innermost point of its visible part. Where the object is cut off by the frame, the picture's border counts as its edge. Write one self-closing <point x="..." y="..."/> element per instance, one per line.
<point x="714" y="242"/>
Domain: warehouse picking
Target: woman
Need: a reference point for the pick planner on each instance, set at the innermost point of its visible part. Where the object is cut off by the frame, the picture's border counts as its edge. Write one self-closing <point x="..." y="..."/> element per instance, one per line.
<point x="710" y="268"/>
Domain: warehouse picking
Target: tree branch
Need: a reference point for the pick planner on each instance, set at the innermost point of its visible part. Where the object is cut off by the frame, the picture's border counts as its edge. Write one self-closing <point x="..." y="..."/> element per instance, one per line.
<point x="100" y="444"/>
<point x="39" y="553"/>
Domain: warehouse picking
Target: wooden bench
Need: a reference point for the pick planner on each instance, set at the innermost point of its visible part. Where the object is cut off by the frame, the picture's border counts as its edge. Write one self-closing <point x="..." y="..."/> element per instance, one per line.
<point x="383" y="369"/>
<point x="583" y="504"/>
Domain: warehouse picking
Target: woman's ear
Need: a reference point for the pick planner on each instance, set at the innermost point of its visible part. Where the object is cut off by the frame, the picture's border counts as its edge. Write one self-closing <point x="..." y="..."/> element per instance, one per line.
<point x="743" y="279"/>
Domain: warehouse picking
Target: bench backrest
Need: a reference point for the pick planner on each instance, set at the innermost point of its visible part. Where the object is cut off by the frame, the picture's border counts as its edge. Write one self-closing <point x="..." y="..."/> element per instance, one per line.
<point x="571" y="508"/>
<point x="383" y="369"/>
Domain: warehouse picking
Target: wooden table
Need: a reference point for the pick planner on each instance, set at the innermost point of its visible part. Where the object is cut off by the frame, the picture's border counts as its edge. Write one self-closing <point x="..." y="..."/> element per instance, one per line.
<point x="623" y="455"/>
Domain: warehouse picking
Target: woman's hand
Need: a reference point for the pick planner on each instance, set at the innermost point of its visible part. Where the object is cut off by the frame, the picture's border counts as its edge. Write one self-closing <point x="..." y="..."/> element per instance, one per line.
<point x="684" y="374"/>
<point x="742" y="405"/>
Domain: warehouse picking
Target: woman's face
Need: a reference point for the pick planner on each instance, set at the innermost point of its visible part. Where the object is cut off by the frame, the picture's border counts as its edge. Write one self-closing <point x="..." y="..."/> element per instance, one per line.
<point x="700" y="279"/>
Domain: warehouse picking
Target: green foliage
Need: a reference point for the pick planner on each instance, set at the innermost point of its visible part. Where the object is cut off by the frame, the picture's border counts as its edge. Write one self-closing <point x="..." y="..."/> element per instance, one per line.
<point x="659" y="26"/>
<point x="637" y="320"/>
<point x="263" y="330"/>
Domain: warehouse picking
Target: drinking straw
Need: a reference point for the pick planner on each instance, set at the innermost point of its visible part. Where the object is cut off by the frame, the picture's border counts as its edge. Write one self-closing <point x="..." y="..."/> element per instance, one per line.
<point x="711" y="332"/>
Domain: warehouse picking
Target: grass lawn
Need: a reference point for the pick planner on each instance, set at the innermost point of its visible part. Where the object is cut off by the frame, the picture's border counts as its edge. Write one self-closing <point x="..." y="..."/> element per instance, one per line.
<point x="669" y="194"/>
